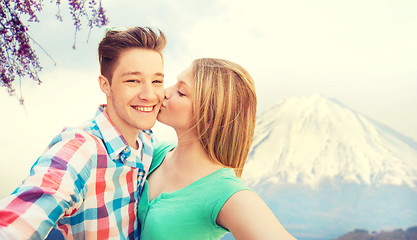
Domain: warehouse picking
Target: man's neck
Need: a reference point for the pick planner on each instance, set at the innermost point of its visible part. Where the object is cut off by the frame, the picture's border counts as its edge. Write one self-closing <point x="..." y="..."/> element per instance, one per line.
<point x="131" y="139"/>
<point x="129" y="133"/>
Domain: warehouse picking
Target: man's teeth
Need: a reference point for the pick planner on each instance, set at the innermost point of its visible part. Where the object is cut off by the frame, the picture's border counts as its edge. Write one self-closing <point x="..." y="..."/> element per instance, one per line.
<point x="143" y="109"/>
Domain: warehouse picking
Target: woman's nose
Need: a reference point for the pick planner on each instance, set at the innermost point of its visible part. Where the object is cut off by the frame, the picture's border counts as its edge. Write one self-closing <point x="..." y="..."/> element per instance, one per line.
<point x="168" y="92"/>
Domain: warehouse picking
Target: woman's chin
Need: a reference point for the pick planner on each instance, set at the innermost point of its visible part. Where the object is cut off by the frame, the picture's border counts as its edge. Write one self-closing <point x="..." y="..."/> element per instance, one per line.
<point x="162" y="119"/>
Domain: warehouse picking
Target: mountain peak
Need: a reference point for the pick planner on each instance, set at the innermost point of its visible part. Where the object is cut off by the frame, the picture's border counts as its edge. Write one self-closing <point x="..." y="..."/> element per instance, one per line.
<point x="309" y="139"/>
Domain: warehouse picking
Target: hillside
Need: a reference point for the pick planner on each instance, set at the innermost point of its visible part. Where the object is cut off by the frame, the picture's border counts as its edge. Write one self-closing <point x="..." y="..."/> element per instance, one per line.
<point x="308" y="140"/>
<point x="398" y="234"/>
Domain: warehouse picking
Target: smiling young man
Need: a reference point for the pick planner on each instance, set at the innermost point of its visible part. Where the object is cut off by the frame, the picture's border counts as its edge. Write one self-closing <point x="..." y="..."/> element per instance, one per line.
<point x="88" y="182"/>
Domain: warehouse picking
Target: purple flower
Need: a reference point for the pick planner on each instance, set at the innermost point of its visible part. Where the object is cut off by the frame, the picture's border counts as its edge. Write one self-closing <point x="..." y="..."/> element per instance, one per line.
<point x="17" y="57"/>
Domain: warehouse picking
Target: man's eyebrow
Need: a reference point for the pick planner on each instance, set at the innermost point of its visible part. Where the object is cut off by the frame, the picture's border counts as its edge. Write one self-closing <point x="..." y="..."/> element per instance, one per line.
<point x="131" y="73"/>
<point x="140" y="73"/>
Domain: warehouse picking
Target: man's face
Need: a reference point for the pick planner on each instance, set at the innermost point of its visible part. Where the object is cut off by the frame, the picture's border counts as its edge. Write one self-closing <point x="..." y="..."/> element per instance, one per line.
<point x="136" y="92"/>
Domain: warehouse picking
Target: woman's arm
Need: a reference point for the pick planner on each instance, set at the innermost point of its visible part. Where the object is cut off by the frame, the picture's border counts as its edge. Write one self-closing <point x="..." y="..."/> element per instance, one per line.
<point x="247" y="216"/>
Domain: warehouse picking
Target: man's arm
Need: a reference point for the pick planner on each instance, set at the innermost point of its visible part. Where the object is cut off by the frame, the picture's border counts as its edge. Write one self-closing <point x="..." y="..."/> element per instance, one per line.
<point x="53" y="189"/>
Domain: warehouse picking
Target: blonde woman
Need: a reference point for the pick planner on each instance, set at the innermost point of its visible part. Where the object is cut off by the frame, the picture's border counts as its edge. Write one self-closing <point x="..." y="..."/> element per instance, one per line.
<point x="194" y="189"/>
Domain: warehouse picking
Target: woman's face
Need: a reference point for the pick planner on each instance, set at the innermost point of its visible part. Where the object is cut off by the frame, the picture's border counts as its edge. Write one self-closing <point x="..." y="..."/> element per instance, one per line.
<point x="176" y="110"/>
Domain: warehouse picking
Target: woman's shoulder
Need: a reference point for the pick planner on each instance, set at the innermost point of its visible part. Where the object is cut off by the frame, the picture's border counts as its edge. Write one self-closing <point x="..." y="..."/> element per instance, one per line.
<point x="226" y="183"/>
<point x="159" y="152"/>
<point x="162" y="148"/>
<point x="225" y="186"/>
<point x="228" y="175"/>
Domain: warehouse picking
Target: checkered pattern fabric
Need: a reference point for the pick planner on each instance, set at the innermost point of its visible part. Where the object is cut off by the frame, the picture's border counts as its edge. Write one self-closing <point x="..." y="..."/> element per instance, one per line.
<point x="87" y="184"/>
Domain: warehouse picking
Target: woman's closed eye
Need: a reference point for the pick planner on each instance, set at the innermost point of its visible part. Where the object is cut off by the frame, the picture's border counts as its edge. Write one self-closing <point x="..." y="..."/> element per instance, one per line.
<point x="180" y="93"/>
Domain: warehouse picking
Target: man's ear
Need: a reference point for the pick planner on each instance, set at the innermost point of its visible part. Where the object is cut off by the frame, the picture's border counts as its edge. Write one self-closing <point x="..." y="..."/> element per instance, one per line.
<point x="104" y="85"/>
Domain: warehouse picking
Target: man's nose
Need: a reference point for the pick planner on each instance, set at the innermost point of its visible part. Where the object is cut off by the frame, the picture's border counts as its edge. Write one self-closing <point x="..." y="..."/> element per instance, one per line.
<point x="147" y="92"/>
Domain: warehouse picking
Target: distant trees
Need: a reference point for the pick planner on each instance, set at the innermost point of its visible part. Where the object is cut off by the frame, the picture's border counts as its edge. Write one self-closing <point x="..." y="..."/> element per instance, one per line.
<point x="397" y="234"/>
<point x="17" y="56"/>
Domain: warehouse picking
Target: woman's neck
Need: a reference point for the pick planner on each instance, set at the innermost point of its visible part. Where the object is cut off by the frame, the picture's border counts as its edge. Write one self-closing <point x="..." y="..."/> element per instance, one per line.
<point x="190" y="154"/>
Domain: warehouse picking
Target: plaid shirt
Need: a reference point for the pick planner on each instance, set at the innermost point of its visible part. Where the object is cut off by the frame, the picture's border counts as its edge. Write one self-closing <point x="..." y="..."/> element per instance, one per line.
<point x="86" y="184"/>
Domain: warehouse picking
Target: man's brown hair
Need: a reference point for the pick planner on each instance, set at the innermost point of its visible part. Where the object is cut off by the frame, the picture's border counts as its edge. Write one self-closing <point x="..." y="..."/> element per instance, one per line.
<point x="115" y="42"/>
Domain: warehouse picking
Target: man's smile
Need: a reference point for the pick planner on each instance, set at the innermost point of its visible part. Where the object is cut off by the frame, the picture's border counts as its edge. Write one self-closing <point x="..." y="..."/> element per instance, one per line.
<point x="144" y="108"/>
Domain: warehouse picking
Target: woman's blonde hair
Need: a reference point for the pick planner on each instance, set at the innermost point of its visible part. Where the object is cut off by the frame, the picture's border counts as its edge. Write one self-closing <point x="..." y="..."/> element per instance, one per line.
<point x="224" y="108"/>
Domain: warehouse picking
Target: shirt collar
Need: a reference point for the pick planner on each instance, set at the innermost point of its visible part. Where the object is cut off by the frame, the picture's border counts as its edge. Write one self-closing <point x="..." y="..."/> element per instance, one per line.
<point x="117" y="146"/>
<point x="114" y="141"/>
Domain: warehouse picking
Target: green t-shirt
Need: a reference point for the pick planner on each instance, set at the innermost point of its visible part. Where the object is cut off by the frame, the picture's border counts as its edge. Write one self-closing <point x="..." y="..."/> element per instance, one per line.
<point x="190" y="212"/>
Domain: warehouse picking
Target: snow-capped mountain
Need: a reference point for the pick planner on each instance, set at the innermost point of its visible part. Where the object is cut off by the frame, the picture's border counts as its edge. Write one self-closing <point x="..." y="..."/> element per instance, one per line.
<point x="312" y="139"/>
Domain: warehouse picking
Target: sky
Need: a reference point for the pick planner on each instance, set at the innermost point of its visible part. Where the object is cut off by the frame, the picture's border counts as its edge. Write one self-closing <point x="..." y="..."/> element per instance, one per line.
<point x="360" y="52"/>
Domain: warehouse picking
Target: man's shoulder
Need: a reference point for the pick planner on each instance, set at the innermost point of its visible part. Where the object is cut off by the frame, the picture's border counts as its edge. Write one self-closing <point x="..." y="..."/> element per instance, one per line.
<point x="76" y="137"/>
<point x="84" y="134"/>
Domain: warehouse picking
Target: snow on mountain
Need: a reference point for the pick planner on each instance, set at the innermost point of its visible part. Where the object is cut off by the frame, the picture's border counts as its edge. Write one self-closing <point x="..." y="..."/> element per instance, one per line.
<point x="312" y="139"/>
